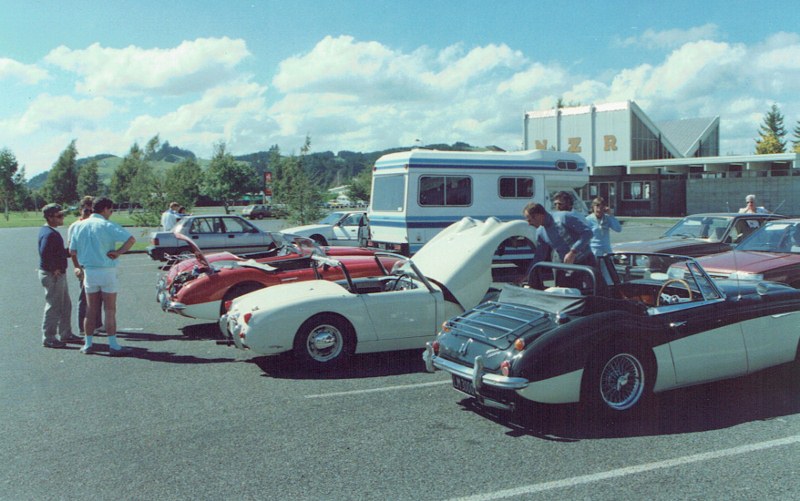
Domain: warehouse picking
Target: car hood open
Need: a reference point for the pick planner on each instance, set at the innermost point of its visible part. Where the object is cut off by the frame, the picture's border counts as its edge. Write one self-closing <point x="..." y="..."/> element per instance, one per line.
<point x="460" y="256"/>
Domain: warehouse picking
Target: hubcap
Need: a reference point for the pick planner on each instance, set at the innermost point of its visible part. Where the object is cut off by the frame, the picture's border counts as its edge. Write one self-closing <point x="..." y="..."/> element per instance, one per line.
<point x="324" y="343"/>
<point x="622" y="382"/>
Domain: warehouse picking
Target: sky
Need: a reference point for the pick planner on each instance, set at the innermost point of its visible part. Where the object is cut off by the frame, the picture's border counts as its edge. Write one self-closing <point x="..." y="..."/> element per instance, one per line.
<point x="370" y="75"/>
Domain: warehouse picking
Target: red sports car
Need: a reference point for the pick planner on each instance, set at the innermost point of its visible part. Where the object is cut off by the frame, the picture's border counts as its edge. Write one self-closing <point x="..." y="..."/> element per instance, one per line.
<point x="199" y="287"/>
<point x="770" y="253"/>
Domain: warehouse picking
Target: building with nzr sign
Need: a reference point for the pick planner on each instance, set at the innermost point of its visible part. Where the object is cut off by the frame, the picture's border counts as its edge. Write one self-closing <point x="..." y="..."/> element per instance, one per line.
<point x="668" y="168"/>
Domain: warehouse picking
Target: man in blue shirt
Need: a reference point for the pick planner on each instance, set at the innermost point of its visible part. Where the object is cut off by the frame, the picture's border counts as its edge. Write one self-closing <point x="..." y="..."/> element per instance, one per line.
<point x="602" y="222"/>
<point x="52" y="275"/>
<point x="564" y="232"/>
<point x="94" y="243"/>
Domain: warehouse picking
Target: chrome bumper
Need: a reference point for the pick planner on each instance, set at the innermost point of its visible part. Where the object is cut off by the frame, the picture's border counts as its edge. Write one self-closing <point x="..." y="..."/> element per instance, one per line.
<point x="231" y="329"/>
<point x="475" y="374"/>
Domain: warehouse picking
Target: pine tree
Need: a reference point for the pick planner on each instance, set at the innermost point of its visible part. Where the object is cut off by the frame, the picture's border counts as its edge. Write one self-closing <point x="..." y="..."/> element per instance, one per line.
<point x="62" y="180"/>
<point x="771" y="133"/>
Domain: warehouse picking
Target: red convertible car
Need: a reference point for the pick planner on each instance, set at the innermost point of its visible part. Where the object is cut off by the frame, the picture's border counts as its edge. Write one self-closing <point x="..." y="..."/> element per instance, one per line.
<point x="199" y="287"/>
<point x="770" y="253"/>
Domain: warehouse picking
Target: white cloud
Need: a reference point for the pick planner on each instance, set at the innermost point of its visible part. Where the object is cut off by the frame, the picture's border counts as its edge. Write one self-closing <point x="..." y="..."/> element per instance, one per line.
<point x="190" y="67"/>
<point x="25" y="73"/>
<point x="669" y="39"/>
<point x="60" y="113"/>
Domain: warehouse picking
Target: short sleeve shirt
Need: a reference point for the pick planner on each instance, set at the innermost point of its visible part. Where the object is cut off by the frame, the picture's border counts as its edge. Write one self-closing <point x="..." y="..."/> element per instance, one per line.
<point x="94" y="238"/>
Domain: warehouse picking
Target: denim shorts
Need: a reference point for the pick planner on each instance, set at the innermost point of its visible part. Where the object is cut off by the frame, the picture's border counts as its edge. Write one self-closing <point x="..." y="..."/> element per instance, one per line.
<point x="100" y="280"/>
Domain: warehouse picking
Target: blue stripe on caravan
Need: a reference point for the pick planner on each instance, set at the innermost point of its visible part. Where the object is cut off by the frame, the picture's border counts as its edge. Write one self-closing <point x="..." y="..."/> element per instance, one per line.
<point x="465" y="163"/>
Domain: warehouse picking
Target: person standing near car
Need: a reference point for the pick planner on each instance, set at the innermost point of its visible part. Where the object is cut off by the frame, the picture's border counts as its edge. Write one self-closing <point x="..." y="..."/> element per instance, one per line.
<point x="53" y="277"/>
<point x="94" y="244"/>
<point x="751" y="207"/>
<point x="170" y="216"/>
<point x="564" y="232"/>
<point x="602" y="222"/>
<point x="85" y="212"/>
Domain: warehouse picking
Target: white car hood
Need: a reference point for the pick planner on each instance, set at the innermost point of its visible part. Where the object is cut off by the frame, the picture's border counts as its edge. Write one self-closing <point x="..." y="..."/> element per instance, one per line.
<point x="288" y="295"/>
<point x="307" y="229"/>
<point x="460" y="256"/>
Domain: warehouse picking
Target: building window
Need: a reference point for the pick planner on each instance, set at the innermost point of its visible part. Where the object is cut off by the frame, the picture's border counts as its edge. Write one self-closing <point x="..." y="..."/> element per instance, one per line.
<point x="636" y="190"/>
<point x="516" y="187"/>
<point x="445" y="190"/>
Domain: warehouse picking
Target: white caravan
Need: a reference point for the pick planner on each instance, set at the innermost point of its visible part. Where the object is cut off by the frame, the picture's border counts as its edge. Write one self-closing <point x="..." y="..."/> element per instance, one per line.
<point x="417" y="193"/>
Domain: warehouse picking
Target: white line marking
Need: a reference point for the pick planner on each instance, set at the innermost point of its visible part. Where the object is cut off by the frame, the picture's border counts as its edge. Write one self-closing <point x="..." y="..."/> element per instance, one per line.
<point x="631" y="470"/>
<point x="376" y="390"/>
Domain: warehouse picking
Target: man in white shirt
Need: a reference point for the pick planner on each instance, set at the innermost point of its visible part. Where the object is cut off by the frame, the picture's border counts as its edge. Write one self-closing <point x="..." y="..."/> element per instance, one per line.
<point x="750" y="206"/>
<point x="170" y="216"/>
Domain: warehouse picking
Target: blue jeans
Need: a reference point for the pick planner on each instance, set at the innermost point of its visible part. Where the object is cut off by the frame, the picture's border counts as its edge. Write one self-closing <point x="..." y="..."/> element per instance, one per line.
<point x="57" y="306"/>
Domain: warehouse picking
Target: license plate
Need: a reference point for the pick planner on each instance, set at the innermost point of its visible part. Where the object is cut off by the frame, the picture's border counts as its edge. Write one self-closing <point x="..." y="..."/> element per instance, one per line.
<point x="464" y="386"/>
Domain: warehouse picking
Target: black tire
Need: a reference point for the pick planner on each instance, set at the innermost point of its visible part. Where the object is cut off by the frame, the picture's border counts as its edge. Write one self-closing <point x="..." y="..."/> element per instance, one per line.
<point x="236" y="291"/>
<point x="618" y="382"/>
<point x="324" y="340"/>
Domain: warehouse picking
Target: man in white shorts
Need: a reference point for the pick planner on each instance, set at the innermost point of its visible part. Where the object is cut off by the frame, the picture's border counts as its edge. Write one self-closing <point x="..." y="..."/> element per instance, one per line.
<point x="94" y="243"/>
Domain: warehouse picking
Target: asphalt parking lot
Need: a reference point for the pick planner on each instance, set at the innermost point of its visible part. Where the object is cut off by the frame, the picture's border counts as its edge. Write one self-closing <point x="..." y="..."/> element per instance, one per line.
<point x="184" y="417"/>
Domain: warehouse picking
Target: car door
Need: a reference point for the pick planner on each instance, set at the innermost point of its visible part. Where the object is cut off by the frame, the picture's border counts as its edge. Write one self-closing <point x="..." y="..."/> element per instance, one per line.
<point x="347" y="228"/>
<point x="771" y="339"/>
<point x="707" y="343"/>
<point x="398" y="316"/>
<point x="241" y="236"/>
<point x="206" y="232"/>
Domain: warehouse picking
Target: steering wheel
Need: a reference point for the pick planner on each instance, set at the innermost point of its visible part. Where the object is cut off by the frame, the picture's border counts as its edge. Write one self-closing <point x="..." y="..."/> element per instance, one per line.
<point x="668" y="283"/>
<point x="393" y="285"/>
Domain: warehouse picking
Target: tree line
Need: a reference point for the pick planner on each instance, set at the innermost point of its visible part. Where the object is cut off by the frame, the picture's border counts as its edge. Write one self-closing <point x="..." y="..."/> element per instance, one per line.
<point x="298" y="180"/>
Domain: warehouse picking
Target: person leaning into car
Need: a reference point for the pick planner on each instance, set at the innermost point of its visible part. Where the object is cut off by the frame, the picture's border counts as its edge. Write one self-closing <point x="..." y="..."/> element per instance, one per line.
<point x="94" y="244"/>
<point x="564" y="232"/>
<point x="52" y="275"/>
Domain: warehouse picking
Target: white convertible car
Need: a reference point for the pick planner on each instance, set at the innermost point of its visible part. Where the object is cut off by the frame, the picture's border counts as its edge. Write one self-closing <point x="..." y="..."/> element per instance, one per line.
<point x="324" y="322"/>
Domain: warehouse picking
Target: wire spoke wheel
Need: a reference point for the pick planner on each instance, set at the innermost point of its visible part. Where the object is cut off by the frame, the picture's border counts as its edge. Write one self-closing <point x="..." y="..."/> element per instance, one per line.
<point x="622" y="381"/>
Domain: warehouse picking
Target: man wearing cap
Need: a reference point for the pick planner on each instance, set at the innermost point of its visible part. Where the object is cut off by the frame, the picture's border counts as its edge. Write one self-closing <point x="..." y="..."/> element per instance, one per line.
<point x="52" y="274"/>
<point x="750" y="206"/>
<point x="94" y="243"/>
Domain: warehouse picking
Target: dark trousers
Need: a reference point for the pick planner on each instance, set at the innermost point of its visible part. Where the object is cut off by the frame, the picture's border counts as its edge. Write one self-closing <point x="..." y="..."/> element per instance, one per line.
<point x="83" y="305"/>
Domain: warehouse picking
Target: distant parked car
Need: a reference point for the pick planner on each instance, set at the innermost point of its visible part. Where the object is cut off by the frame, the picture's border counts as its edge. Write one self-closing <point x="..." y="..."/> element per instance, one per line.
<point x="210" y="233"/>
<point x="338" y="228"/>
<point x="259" y="211"/>
<point x="701" y="234"/>
<point x="771" y="253"/>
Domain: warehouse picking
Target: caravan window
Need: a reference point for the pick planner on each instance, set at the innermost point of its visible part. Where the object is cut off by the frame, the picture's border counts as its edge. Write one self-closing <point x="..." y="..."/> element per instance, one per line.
<point x="388" y="193"/>
<point x="516" y="187"/>
<point x="445" y="190"/>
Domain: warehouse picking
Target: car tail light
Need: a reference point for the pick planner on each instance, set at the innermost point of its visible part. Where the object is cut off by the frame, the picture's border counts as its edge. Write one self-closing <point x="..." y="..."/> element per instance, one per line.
<point x="247" y="317"/>
<point x="227" y="304"/>
<point x="435" y="346"/>
<point x="155" y="241"/>
<point x="505" y="368"/>
<point x="519" y="344"/>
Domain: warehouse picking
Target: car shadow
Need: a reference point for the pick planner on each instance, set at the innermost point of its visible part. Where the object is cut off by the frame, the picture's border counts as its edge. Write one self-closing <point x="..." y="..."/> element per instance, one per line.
<point x="202" y="331"/>
<point x="763" y="396"/>
<point x="357" y="367"/>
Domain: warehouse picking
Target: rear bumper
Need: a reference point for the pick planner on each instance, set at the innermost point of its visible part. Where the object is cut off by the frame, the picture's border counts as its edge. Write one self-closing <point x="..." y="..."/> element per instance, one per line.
<point x="487" y="385"/>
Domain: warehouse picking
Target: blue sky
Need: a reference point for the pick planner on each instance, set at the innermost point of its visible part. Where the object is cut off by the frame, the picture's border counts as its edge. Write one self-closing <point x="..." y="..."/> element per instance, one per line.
<point x="369" y="75"/>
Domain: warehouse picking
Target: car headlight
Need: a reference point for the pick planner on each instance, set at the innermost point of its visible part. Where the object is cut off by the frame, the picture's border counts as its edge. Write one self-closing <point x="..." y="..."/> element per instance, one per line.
<point x="743" y="275"/>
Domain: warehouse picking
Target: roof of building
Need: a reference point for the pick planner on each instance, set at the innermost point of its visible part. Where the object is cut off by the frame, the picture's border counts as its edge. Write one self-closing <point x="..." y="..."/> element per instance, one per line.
<point x="685" y="134"/>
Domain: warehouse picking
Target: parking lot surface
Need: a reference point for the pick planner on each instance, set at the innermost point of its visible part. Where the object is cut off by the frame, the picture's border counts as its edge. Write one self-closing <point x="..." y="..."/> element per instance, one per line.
<point x="184" y="417"/>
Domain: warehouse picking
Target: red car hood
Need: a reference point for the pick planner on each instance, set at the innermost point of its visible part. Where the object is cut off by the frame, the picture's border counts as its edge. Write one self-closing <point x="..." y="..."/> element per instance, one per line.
<point x="747" y="261"/>
<point x="204" y="260"/>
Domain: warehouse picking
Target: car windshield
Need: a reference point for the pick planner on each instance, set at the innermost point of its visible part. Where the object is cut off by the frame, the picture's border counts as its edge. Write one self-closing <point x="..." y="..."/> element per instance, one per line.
<point x="778" y="236"/>
<point x="710" y="227"/>
<point x="332" y="218"/>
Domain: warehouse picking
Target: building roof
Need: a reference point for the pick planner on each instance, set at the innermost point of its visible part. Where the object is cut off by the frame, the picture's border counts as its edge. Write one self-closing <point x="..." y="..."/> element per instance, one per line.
<point x="686" y="134"/>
